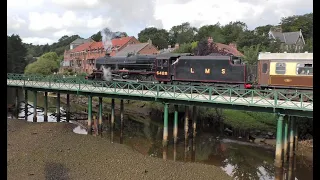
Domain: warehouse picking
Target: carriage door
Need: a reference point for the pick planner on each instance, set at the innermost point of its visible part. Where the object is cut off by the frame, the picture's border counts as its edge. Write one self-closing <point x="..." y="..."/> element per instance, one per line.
<point x="162" y="69"/>
<point x="264" y="72"/>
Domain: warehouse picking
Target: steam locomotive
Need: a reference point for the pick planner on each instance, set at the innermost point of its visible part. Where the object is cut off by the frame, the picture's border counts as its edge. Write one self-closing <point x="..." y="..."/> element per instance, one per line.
<point x="274" y="70"/>
<point x="186" y="69"/>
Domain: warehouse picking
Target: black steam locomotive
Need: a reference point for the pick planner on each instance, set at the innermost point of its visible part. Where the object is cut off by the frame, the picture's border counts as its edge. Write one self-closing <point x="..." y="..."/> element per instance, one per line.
<point x="212" y="70"/>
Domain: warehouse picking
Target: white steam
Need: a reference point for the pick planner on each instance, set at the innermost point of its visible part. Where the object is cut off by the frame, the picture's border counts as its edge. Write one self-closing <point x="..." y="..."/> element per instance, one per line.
<point x="107" y="75"/>
<point x="107" y="36"/>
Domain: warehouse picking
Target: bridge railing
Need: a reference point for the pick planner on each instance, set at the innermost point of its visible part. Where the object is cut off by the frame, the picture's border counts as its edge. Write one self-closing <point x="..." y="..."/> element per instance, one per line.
<point x="250" y="97"/>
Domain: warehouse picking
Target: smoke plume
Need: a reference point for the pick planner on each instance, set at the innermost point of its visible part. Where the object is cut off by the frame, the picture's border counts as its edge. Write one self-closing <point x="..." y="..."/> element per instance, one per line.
<point x="107" y="75"/>
<point x="107" y="36"/>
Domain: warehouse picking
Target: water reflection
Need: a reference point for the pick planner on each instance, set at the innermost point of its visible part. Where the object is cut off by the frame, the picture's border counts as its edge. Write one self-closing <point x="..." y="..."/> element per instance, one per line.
<point x="241" y="160"/>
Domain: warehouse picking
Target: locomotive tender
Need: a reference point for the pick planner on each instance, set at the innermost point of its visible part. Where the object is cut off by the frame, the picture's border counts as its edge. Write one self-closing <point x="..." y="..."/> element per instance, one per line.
<point x="214" y="70"/>
<point x="274" y="70"/>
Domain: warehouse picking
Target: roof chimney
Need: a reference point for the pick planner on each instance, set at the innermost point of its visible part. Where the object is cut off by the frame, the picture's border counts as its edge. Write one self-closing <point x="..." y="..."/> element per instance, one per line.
<point x="233" y="45"/>
<point x="210" y="40"/>
<point x="149" y="41"/>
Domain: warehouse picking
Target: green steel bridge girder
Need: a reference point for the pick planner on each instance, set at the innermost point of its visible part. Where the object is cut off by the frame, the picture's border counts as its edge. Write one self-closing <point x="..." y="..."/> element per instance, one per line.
<point x="227" y="98"/>
<point x="291" y="112"/>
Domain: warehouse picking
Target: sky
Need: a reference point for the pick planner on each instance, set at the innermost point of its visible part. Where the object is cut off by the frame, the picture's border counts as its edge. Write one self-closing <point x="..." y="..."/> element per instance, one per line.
<point x="45" y="21"/>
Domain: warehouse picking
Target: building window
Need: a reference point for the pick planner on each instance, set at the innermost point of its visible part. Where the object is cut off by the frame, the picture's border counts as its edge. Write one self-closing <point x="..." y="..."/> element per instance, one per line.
<point x="304" y="69"/>
<point x="264" y="68"/>
<point x="281" y="68"/>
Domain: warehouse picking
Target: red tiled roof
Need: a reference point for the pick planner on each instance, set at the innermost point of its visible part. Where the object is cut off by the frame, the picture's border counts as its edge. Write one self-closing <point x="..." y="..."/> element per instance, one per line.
<point x="81" y="47"/>
<point x="229" y="49"/>
<point x="121" y="41"/>
<point x="96" y="45"/>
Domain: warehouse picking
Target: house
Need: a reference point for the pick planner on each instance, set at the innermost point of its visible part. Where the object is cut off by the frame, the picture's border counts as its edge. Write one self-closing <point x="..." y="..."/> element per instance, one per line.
<point x="231" y="48"/>
<point x="78" y="42"/>
<point x="82" y="57"/>
<point x="140" y="48"/>
<point x="289" y="40"/>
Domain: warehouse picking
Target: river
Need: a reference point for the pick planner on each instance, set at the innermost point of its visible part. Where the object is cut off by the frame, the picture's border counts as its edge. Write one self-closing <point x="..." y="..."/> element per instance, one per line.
<point x="239" y="159"/>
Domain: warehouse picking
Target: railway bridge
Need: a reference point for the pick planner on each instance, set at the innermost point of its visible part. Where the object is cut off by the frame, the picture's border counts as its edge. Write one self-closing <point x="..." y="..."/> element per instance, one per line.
<point x="300" y="104"/>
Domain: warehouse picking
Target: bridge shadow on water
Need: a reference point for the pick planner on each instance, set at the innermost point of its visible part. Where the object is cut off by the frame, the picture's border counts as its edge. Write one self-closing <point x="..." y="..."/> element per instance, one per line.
<point x="238" y="158"/>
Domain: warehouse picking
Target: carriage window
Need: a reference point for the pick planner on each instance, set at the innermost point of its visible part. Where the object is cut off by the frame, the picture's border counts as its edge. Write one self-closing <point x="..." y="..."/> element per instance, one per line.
<point x="305" y="69"/>
<point x="281" y="68"/>
<point x="264" y="68"/>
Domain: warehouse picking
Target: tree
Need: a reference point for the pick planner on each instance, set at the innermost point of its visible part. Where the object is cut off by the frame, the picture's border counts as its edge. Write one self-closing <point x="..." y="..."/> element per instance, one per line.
<point x="96" y="37"/>
<point x="295" y="23"/>
<point x="159" y="37"/>
<point x="16" y="53"/>
<point x="204" y="48"/>
<point x="47" y="64"/>
<point x="183" y="33"/>
<point x="263" y="30"/>
<point x="213" y="31"/>
<point x="251" y="54"/>
<point x="232" y="30"/>
<point x="249" y="38"/>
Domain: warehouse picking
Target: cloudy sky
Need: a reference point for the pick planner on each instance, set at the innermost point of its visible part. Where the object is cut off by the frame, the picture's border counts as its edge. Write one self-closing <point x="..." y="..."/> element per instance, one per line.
<point x="45" y="21"/>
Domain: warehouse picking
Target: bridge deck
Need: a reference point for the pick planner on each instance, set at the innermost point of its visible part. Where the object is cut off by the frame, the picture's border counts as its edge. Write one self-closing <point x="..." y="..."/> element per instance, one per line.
<point x="171" y="93"/>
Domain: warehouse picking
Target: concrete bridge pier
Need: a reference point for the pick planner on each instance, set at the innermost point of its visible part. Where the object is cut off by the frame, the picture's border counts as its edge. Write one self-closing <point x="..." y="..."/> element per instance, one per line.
<point x="100" y="116"/>
<point x="175" y="132"/>
<point x="17" y="103"/>
<point x="165" y="130"/>
<point x="58" y="107"/>
<point x="112" y="120"/>
<point x="279" y="142"/>
<point x="186" y="128"/>
<point x="26" y="105"/>
<point x="279" y="174"/>
<point x="89" y="114"/>
<point x="296" y="140"/>
<point x="285" y="140"/>
<point x="121" y="121"/>
<point x="194" y="128"/>
<point x="45" y="106"/>
<point x="68" y="108"/>
<point x="35" y="106"/>
<point x="291" y="137"/>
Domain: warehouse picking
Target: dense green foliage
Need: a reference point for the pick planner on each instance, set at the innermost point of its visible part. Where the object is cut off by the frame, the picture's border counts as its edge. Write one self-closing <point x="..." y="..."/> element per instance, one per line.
<point x="16" y="53"/>
<point x="47" y="64"/>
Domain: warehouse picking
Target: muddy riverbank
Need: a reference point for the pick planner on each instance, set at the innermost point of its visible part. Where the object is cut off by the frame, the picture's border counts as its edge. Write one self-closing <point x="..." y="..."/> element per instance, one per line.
<point x="53" y="151"/>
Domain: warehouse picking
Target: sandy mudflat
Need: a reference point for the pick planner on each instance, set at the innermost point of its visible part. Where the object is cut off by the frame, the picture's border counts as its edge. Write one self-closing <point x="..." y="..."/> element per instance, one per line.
<point x="52" y="151"/>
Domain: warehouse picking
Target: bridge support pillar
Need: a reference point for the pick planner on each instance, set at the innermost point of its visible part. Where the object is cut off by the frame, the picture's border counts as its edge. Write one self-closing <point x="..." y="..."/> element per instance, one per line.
<point x="68" y="108"/>
<point x="89" y="114"/>
<point x="35" y="106"/>
<point x="26" y="110"/>
<point x="186" y="128"/>
<point x="100" y="115"/>
<point x="175" y="132"/>
<point x="291" y="137"/>
<point x="285" y="140"/>
<point x="121" y="121"/>
<point x="45" y="106"/>
<point x="58" y="107"/>
<point x="296" y="140"/>
<point x="112" y="119"/>
<point x="17" y="103"/>
<point x="194" y="133"/>
<point x="165" y="130"/>
<point x="279" y="144"/>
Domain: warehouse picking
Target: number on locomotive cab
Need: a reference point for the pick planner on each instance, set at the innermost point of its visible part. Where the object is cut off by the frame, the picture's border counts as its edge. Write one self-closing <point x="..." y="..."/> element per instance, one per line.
<point x="223" y="71"/>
